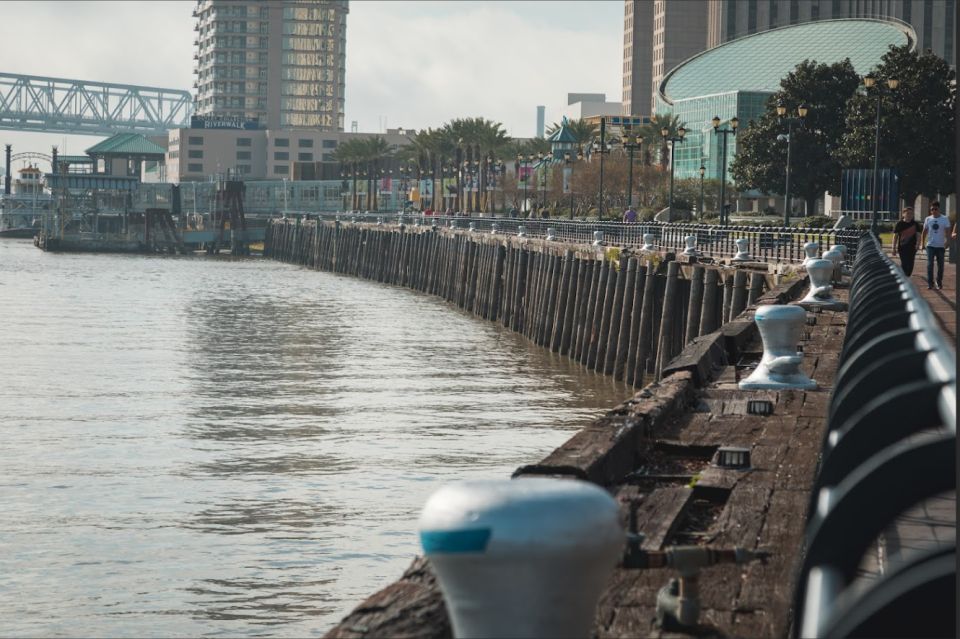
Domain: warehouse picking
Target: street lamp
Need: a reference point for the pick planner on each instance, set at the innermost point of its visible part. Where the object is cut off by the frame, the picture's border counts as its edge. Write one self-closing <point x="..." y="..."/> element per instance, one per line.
<point x="703" y="170"/>
<point x="665" y="132"/>
<point x="631" y="144"/>
<point x="870" y="82"/>
<point x="543" y="179"/>
<point x="602" y="147"/>
<point x="781" y="113"/>
<point x="723" y="171"/>
<point x="568" y="161"/>
<point x="524" y="163"/>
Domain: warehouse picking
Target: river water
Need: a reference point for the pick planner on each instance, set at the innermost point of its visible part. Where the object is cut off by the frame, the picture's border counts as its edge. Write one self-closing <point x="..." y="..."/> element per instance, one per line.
<point x="216" y="446"/>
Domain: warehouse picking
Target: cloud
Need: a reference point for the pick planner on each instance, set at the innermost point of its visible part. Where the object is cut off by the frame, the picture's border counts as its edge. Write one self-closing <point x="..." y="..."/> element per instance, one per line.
<point x="146" y="43"/>
<point x="421" y="69"/>
<point x="414" y="64"/>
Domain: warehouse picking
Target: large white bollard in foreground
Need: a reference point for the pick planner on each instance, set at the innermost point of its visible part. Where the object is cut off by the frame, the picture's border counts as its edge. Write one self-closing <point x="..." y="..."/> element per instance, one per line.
<point x="524" y="557"/>
<point x="780" y="328"/>
<point x="648" y="242"/>
<point x="691" y="246"/>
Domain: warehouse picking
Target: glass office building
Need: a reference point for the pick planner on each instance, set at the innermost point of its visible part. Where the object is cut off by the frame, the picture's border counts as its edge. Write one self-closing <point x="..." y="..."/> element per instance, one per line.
<point x="737" y="79"/>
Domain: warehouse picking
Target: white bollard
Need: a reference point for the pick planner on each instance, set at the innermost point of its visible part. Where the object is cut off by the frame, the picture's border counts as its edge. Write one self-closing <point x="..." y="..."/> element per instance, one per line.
<point x="473" y="226"/>
<point x="648" y="242"/>
<point x="821" y="292"/>
<point x="379" y="221"/>
<point x="493" y="229"/>
<point x="836" y="257"/>
<point x="598" y="238"/>
<point x="551" y="233"/>
<point x="743" y="250"/>
<point x="780" y="328"/>
<point x="811" y="249"/>
<point x="691" y="248"/>
<point x="521" y="231"/>
<point x="524" y="557"/>
<point x="843" y="263"/>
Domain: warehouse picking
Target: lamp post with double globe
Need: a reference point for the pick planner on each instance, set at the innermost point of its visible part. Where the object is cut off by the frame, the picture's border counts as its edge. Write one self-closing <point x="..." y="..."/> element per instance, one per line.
<point x="789" y="121"/>
<point x="724" y="218"/>
<point x="870" y="84"/>
<point x="673" y="145"/>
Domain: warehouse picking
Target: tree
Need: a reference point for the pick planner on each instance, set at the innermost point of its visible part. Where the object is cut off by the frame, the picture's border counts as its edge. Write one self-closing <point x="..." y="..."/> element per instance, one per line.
<point x="917" y="123"/>
<point x="652" y="134"/>
<point x="761" y="160"/>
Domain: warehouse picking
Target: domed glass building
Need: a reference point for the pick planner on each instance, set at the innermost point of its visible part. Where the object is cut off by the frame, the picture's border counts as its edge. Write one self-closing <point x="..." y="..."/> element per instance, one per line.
<point x="738" y="77"/>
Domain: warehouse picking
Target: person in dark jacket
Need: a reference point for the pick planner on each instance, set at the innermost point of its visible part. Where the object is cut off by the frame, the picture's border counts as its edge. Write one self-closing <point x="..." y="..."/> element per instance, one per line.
<point x="906" y="240"/>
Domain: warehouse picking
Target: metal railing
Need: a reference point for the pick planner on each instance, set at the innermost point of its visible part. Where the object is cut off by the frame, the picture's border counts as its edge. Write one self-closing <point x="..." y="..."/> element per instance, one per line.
<point x="890" y="445"/>
<point x="766" y="244"/>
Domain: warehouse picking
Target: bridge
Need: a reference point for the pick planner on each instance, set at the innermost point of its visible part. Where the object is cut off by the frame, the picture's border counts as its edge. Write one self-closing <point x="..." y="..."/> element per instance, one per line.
<point x="85" y="107"/>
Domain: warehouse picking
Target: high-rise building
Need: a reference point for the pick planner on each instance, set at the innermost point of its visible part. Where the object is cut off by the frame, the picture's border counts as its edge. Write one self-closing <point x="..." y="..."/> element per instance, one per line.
<point x="280" y="61"/>
<point x="637" y="55"/>
<point x="935" y="21"/>
<point x="658" y="36"/>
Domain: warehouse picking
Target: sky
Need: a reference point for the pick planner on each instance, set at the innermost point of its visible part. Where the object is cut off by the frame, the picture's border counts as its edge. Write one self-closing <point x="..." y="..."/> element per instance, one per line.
<point x="413" y="64"/>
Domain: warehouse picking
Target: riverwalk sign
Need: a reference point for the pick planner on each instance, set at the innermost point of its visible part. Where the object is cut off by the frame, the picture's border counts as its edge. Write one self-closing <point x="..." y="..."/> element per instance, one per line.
<point x="224" y="122"/>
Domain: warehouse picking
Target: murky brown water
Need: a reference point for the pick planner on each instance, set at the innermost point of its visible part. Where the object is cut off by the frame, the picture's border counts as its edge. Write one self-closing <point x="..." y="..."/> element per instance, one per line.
<point x="198" y="446"/>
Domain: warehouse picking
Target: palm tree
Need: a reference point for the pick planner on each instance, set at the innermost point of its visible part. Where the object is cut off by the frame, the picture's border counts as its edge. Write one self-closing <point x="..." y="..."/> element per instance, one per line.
<point x="654" y="131"/>
<point x="350" y="154"/>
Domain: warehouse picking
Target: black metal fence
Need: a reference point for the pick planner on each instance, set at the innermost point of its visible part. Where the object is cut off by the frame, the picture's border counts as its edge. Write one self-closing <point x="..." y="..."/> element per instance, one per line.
<point x="766" y="244"/>
<point x="890" y="445"/>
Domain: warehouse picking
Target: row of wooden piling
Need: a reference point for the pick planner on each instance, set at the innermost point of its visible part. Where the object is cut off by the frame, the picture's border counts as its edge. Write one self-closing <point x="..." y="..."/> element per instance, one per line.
<point x="619" y="314"/>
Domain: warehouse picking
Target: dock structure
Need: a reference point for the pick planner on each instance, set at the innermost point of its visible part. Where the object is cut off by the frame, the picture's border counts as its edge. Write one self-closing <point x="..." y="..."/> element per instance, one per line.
<point x="687" y="335"/>
<point x="616" y="311"/>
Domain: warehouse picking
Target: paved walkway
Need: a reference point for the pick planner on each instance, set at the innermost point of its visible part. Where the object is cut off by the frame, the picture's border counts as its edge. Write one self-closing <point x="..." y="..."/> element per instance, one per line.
<point x="942" y="302"/>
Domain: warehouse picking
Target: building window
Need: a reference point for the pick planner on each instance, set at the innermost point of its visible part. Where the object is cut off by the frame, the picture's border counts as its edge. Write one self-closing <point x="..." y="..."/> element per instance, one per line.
<point x="243" y="141"/>
<point x="281" y="169"/>
<point x="328" y="157"/>
<point x="243" y="169"/>
<point x="195" y="139"/>
<point x="195" y="154"/>
<point x="305" y="144"/>
<point x="281" y="142"/>
<point x="281" y="156"/>
<point x="195" y="168"/>
<point x="305" y="157"/>
<point x="329" y="144"/>
<point x="243" y="155"/>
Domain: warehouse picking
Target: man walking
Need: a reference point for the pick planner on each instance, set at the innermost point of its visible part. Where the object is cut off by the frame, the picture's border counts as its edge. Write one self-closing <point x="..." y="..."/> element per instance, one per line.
<point x="934" y="236"/>
<point x="630" y="215"/>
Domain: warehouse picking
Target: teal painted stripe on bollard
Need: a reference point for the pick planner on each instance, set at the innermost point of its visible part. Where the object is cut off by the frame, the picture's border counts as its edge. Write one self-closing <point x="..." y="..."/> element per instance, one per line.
<point x="471" y="540"/>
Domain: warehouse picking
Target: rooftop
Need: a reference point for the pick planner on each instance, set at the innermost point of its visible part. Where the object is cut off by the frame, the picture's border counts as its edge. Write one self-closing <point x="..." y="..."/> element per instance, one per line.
<point x="127" y="144"/>
<point x="758" y="62"/>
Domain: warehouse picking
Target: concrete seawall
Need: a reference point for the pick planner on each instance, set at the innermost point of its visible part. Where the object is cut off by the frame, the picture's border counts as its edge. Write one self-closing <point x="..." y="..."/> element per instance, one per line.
<point x="618" y="313"/>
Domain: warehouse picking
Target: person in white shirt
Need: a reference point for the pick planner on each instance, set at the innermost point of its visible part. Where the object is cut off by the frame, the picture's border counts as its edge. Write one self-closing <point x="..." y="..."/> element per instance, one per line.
<point x="934" y="237"/>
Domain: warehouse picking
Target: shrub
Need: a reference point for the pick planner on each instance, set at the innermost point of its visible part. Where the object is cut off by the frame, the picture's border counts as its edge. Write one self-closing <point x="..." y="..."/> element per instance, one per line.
<point x="882" y="227"/>
<point x="816" y="222"/>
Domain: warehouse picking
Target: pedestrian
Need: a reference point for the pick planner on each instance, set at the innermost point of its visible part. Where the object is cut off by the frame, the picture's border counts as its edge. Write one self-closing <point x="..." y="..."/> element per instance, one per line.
<point x="630" y="215"/>
<point x="934" y="237"/>
<point x="906" y="236"/>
